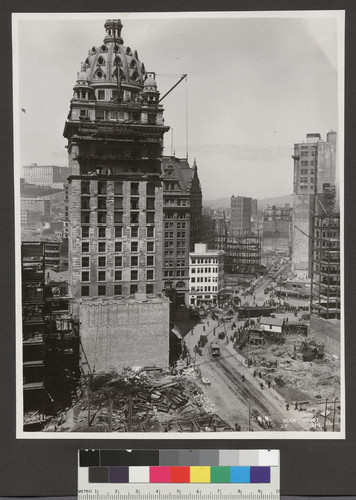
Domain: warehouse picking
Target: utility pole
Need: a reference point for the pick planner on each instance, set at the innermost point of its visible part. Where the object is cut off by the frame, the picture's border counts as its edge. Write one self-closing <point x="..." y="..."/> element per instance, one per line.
<point x="110" y="414"/>
<point x="326" y="409"/>
<point x="335" y="399"/>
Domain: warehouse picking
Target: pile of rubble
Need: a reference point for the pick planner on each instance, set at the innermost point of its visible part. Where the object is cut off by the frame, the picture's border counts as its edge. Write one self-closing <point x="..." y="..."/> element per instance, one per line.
<point x="295" y="379"/>
<point x="147" y="400"/>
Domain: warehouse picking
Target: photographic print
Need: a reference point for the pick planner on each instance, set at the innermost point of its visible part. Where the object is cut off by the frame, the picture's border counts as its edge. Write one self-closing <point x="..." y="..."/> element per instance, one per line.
<point x="179" y="224"/>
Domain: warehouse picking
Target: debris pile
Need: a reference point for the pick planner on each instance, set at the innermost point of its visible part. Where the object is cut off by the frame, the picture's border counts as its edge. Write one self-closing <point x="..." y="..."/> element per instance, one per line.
<point x="147" y="400"/>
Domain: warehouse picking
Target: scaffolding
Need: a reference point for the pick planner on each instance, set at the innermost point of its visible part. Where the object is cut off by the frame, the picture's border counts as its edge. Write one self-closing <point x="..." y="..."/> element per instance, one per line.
<point x="242" y="253"/>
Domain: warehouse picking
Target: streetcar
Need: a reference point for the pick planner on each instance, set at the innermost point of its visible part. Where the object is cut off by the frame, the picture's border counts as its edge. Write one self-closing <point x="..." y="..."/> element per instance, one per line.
<point x="215" y="350"/>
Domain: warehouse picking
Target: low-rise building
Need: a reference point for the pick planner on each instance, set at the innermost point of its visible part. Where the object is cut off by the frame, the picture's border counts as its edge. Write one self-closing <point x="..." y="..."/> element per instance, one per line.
<point x="271" y="325"/>
<point x="206" y="274"/>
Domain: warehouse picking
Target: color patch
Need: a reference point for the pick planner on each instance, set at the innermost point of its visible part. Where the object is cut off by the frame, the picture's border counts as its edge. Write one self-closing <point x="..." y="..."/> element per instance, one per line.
<point x="89" y="458"/>
<point x="188" y="457"/>
<point x="248" y="457"/>
<point x="228" y="457"/>
<point x="159" y="474"/>
<point x="220" y="474"/>
<point x="179" y="474"/>
<point x="118" y="474"/>
<point x="200" y="474"/>
<point x="208" y="458"/>
<point x="149" y="457"/>
<point x="98" y="475"/>
<point x="169" y="457"/>
<point x="260" y="475"/>
<point x="268" y="457"/>
<point x="139" y="474"/>
<point x="239" y="474"/>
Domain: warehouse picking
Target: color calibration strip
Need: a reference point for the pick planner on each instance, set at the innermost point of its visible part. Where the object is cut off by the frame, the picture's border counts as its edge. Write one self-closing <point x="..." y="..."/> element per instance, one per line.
<point x="178" y="466"/>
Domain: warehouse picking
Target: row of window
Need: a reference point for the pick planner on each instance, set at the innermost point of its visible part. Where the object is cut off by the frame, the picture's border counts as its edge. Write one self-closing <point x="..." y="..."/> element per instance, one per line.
<point x="170" y="225"/>
<point x="204" y="289"/>
<point x="102" y="261"/>
<point x="118" y="203"/>
<point x="207" y="279"/>
<point x="204" y="270"/>
<point x="102" y="275"/>
<point x="174" y="216"/>
<point x="102" y="289"/>
<point x="174" y="202"/>
<point x="101" y="233"/>
<point x="204" y="261"/>
<point x="150" y="246"/>
<point x="87" y="186"/>
<point x="118" y="217"/>
<point x="179" y="273"/>
<point x="170" y="253"/>
<point x="179" y="234"/>
<point x="177" y="263"/>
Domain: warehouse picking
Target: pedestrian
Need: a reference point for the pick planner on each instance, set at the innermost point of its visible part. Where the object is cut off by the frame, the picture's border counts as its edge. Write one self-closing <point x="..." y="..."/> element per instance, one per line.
<point x="287" y="406"/>
<point x="269" y="384"/>
<point x="260" y="374"/>
<point x="254" y="373"/>
<point x="261" y="385"/>
<point x="204" y="328"/>
<point x="296" y="405"/>
<point x="208" y="323"/>
<point x="243" y="378"/>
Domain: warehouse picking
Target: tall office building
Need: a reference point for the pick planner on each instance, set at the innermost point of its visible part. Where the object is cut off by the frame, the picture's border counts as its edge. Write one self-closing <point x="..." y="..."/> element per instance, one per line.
<point x="314" y="166"/>
<point x="115" y="131"/>
<point x="241" y="212"/>
<point x="182" y="211"/>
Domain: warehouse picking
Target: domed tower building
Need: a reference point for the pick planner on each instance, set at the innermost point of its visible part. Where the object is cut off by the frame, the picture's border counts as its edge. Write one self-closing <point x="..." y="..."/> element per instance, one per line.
<point x="115" y="131"/>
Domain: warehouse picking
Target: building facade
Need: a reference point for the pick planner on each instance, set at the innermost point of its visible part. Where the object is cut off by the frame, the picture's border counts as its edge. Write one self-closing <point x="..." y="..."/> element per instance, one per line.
<point x="46" y="175"/>
<point x="277" y="228"/>
<point x="206" y="275"/>
<point x="241" y="213"/>
<point x="115" y="133"/>
<point x="314" y="166"/>
<point x="182" y="209"/>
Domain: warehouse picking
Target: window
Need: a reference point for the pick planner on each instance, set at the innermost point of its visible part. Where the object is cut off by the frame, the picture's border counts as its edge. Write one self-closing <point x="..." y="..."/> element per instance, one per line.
<point x="118" y="246"/>
<point x="85" y="276"/>
<point x="134" y="232"/>
<point x="101" y="261"/>
<point x="150" y="203"/>
<point x="85" y="232"/>
<point x="118" y="217"/>
<point x="118" y="232"/>
<point x="134" y="204"/>
<point x="150" y="188"/>
<point x="101" y="217"/>
<point x="99" y="114"/>
<point x="149" y="288"/>
<point x="102" y="290"/>
<point x="150" y="246"/>
<point x="101" y="275"/>
<point x="85" y="261"/>
<point x="102" y="246"/>
<point x="133" y="289"/>
<point x="85" y="247"/>
<point x="134" y="275"/>
<point x="134" y="188"/>
<point x="101" y="187"/>
<point x="101" y="203"/>
<point x="117" y="187"/>
<point x="118" y="275"/>
<point x="134" y="246"/>
<point x="117" y="289"/>
<point x="118" y="261"/>
<point x="85" y="291"/>
<point x="101" y="93"/>
<point x="150" y="260"/>
<point x="118" y="203"/>
<point x="134" y="261"/>
<point x="85" y="217"/>
<point x="85" y="203"/>
<point x="85" y="187"/>
<point x="151" y="118"/>
<point x="101" y="232"/>
<point x="134" y="218"/>
<point x="150" y="217"/>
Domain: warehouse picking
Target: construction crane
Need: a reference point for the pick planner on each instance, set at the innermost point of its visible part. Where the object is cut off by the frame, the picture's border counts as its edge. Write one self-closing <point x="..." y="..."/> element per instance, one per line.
<point x="174" y="86"/>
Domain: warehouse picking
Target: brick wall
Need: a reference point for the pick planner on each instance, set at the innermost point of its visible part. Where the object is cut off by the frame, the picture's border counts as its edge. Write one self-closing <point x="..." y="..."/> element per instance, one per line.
<point x="124" y="332"/>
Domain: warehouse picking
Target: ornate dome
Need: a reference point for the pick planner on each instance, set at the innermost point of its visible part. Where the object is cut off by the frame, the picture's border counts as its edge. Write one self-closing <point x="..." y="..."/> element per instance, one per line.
<point x="105" y="62"/>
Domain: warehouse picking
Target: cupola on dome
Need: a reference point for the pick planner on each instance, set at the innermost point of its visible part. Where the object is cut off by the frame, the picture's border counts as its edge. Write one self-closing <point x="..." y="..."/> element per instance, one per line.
<point x="112" y="60"/>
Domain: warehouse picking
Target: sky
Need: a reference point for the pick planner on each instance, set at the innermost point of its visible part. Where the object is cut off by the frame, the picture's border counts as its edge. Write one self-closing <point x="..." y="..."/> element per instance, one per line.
<point x="255" y="86"/>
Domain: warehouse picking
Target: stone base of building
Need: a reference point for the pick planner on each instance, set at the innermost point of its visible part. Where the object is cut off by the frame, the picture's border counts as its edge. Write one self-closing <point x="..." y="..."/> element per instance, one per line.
<point x="328" y="332"/>
<point x="124" y="332"/>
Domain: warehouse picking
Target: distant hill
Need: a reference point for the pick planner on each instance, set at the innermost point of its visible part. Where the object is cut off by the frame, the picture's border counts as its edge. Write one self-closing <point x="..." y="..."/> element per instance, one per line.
<point x="225" y="202"/>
